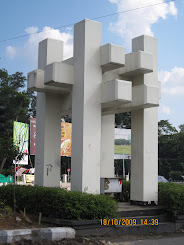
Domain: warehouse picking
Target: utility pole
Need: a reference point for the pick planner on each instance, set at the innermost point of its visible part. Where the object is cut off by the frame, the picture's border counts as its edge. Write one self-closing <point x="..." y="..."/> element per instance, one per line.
<point x="123" y="164"/>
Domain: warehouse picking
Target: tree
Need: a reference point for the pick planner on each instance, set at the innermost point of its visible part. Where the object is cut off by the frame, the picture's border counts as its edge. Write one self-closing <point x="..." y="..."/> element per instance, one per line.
<point x="19" y="104"/>
<point x="170" y="149"/>
<point x="123" y="120"/>
<point x="165" y="128"/>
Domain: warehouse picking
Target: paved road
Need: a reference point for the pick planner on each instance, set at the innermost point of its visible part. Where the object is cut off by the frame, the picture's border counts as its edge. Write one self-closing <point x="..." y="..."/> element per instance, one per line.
<point x="161" y="241"/>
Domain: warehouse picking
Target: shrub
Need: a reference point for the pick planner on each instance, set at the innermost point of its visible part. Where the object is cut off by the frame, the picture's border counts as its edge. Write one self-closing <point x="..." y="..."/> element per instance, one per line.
<point x="125" y="195"/>
<point x="175" y="175"/>
<point x="171" y="197"/>
<point x="125" y="191"/>
<point x="5" y="211"/>
<point x="57" y="203"/>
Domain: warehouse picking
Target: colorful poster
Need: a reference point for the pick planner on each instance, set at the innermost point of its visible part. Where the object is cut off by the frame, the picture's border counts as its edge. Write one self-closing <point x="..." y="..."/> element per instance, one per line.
<point x="29" y="178"/>
<point x="66" y="139"/>
<point x="32" y="135"/>
<point x="20" y="139"/>
<point x="113" y="185"/>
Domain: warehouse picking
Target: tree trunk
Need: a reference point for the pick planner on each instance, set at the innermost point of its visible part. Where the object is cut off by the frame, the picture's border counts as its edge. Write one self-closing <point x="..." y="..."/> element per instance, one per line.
<point x="3" y="163"/>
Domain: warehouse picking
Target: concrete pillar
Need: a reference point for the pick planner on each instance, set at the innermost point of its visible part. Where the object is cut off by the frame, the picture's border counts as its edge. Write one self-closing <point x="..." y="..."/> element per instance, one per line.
<point x="107" y="147"/>
<point x="86" y="107"/>
<point x="144" y="125"/>
<point x="48" y="117"/>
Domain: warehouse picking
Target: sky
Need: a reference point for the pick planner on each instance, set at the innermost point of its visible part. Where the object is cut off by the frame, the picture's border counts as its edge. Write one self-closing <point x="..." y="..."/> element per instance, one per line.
<point x="164" y="21"/>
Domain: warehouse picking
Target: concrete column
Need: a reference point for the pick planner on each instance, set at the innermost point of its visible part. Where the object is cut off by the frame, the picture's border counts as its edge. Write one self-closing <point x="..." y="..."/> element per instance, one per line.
<point x="48" y="119"/>
<point x="144" y="162"/>
<point x="86" y="107"/>
<point x="107" y="147"/>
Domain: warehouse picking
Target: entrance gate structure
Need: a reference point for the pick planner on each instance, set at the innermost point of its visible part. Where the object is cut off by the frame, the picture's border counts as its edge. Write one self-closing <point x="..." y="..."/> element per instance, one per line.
<point x="98" y="82"/>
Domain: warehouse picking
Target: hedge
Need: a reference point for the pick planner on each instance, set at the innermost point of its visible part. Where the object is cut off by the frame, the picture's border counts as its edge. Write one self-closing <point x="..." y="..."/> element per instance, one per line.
<point x="171" y="197"/>
<point x="58" y="203"/>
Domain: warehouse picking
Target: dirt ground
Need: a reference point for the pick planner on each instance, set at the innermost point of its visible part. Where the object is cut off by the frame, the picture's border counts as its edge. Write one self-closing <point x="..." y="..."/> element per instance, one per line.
<point x="76" y="241"/>
<point x="10" y="222"/>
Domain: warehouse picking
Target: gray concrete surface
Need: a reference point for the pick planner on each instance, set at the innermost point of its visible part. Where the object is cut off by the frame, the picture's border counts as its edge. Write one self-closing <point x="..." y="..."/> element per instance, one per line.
<point x="53" y="234"/>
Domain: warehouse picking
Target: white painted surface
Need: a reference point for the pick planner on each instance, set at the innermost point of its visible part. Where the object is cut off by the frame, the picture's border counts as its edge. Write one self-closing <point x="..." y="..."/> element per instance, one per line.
<point x="107" y="147"/>
<point x="59" y="74"/>
<point x="112" y="57"/>
<point x="116" y="91"/>
<point x="113" y="185"/>
<point x="86" y="108"/>
<point x="48" y="116"/>
<point x="144" y="163"/>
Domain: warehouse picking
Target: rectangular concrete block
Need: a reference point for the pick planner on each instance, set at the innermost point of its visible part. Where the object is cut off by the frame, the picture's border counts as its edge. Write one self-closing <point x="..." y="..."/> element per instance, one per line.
<point x="35" y="79"/>
<point x="115" y="91"/>
<point x="50" y="50"/>
<point x="35" y="82"/>
<point x="112" y="57"/>
<point x="59" y="74"/>
<point x="137" y="63"/>
<point x="58" y="233"/>
<point x="3" y="236"/>
<point x="17" y="235"/>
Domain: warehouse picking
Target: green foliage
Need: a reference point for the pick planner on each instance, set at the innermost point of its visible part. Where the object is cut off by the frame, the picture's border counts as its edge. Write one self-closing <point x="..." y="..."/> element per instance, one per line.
<point x="175" y="175"/>
<point x="171" y="197"/>
<point x="170" y="149"/>
<point x="54" y="202"/>
<point x="5" y="211"/>
<point x="125" y="191"/>
<point x="123" y="120"/>
<point x="20" y="105"/>
<point x="122" y="142"/>
<point x="6" y="172"/>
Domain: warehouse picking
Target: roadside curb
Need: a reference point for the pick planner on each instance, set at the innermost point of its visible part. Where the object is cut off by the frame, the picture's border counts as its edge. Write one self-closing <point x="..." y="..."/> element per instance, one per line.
<point x="35" y="234"/>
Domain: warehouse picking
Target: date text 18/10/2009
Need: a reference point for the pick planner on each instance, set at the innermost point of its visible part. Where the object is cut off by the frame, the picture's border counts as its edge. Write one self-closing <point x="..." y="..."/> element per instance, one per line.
<point x="124" y="222"/>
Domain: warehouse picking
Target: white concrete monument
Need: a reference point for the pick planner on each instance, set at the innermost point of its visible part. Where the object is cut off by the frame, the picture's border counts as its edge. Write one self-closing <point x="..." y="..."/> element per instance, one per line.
<point x="98" y="82"/>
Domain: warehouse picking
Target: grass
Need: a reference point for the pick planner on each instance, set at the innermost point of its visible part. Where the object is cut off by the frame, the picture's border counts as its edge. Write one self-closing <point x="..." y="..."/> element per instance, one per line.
<point x="118" y="149"/>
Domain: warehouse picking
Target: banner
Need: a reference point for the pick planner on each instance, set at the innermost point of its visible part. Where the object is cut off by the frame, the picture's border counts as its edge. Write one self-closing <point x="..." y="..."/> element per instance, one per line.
<point x="32" y="135"/>
<point x="20" y="139"/>
<point x="122" y="147"/>
<point x="66" y="137"/>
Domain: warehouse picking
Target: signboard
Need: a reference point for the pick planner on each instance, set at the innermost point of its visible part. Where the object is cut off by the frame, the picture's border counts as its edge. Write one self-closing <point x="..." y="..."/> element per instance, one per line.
<point x="122" y="139"/>
<point x="112" y="185"/>
<point x="32" y="135"/>
<point x="66" y="139"/>
<point x="20" y="139"/>
<point x="29" y="178"/>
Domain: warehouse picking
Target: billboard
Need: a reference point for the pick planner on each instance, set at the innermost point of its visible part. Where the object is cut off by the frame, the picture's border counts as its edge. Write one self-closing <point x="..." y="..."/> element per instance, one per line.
<point x="32" y="135"/>
<point x="66" y="137"/>
<point x="122" y="147"/>
<point x="20" y="139"/>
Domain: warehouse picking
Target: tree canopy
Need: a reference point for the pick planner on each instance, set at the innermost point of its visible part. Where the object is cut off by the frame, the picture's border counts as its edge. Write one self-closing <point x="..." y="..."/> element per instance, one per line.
<point x="20" y="106"/>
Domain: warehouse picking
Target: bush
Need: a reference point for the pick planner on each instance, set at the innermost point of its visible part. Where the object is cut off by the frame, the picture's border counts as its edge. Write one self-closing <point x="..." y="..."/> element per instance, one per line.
<point x="125" y="195"/>
<point x="57" y="203"/>
<point x="171" y="197"/>
<point x="175" y="175"/>
<point x="5" y="211"/>
<point x="125" y="191"/>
